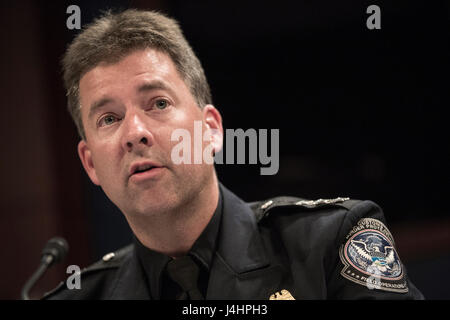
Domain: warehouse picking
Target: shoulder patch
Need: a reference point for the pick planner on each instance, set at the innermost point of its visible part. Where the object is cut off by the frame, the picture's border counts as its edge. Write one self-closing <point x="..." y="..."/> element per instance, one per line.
<point x="370" y="259"/>
<point x="262" y="208"/>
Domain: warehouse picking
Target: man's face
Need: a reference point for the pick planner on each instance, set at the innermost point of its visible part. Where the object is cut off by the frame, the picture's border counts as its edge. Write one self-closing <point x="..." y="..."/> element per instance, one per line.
<point x="129" y="111"/>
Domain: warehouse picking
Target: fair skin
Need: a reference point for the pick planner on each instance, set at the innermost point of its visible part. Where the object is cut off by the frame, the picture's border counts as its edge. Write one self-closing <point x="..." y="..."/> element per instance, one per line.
<point x="129" y="111"/>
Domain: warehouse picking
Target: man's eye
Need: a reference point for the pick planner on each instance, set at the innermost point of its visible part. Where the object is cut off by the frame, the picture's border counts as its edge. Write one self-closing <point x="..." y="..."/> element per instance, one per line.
<point x="107" y="120"/>
<point x="161" y="104"/>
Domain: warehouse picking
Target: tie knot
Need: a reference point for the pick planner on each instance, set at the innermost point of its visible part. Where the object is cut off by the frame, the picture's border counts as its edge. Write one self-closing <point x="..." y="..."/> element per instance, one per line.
<point x="184" y="271"/>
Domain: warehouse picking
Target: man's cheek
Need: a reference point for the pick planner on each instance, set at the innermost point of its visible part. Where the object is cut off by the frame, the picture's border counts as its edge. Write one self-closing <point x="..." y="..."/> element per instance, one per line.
<point x="105" y="168"/>
<point x="191" y="144"/>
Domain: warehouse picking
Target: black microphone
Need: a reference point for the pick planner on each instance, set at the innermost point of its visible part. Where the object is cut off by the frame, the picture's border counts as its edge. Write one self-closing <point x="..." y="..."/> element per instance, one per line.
<point x="54" y="251"/>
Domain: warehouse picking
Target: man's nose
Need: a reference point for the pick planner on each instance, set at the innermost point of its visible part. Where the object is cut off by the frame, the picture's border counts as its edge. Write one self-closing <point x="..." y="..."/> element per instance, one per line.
<point x="136" y="135"/>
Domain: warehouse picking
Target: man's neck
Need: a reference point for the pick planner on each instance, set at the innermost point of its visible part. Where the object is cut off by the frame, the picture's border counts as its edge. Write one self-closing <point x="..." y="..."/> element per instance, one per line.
<point x="173" y="233"/>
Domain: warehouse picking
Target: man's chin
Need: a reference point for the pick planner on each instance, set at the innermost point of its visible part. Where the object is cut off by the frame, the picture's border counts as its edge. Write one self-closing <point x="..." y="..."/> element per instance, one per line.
<point x="154" y="203"/>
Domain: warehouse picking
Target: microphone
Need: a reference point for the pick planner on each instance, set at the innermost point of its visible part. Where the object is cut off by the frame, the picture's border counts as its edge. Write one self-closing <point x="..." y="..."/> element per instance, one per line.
<point x="54" y="251"/>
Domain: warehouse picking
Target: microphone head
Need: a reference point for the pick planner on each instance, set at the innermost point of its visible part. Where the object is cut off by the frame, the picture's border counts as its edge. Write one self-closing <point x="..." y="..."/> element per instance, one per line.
<point x="56" y="247"/>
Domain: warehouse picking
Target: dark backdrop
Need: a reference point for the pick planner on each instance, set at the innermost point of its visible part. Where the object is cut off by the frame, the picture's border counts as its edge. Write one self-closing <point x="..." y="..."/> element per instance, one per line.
<point x="361" y="113"/>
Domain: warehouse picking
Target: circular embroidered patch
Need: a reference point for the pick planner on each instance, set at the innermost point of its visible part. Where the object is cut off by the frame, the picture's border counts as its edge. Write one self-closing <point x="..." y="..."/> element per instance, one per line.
<point x="370" y="259"/>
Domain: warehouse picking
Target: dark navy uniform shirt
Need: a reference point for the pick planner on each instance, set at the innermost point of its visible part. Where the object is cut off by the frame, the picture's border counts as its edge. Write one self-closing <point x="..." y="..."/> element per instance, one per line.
<point x="284" y="247"/>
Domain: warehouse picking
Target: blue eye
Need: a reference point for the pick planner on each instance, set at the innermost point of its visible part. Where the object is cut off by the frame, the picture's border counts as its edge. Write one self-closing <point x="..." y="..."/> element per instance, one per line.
<point x="107" y="120"/>
<point x="161" y="104"/>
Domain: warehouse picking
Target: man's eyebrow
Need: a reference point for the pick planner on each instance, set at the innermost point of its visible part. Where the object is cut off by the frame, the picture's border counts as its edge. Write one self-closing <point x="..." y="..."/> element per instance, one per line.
<point x="98" y="104"/>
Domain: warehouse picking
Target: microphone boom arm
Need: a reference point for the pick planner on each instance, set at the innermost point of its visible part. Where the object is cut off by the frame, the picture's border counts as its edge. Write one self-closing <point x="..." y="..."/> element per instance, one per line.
<point x="54" y="251"/>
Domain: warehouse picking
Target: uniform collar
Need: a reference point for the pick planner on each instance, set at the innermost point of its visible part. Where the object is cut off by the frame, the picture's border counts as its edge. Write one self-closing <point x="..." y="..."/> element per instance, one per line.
<point x="205" y="246"/>
<point x="153" y="264"/>
<point x="203" y="249"/>
<point x="240" y="245"/>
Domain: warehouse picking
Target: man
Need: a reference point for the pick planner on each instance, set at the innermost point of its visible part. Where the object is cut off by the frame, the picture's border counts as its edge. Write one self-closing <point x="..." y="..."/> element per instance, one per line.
<point x="132" y="80"/>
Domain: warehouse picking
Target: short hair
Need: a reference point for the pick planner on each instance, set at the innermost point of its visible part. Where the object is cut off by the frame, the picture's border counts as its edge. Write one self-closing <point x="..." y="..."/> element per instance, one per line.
<point x="113" y="36"/>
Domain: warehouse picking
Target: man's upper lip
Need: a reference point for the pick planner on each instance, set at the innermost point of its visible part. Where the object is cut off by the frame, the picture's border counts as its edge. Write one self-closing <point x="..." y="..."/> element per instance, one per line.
<point x="137" y="166"/>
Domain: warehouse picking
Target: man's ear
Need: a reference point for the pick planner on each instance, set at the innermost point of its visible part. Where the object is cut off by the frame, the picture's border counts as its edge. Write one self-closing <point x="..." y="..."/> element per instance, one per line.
<point x="213" y="121"/>
<point x="86" y="159"/>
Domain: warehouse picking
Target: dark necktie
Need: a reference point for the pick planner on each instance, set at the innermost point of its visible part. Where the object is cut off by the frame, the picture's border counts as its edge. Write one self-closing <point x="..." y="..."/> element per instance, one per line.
<point x="184" y="271"/>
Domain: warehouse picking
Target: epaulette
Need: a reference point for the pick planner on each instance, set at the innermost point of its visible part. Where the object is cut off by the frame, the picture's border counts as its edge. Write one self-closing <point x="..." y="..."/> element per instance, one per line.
<point x="109" y="261"/>
<point x="262" y="208"/>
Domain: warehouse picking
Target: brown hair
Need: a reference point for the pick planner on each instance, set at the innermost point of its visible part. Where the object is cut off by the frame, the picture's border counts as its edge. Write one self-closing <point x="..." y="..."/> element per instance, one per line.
<point x="114" y="35"/>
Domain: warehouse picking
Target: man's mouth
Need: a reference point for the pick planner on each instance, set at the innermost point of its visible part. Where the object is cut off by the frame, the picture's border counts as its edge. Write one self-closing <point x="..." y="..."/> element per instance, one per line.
<point x="142" y="167"/>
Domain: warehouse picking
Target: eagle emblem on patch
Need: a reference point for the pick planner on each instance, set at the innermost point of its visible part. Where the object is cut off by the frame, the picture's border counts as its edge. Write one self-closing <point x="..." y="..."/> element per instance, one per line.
<point x="370" y="258"/>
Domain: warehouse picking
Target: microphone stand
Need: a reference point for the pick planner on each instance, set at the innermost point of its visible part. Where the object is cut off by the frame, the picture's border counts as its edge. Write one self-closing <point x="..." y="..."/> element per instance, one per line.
<point x="46" y="261"/>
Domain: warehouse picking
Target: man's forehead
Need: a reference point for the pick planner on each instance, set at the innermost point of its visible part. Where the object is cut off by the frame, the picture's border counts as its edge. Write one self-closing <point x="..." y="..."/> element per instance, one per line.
<point x="148" y="61"/>
<point x="140" y="70"/>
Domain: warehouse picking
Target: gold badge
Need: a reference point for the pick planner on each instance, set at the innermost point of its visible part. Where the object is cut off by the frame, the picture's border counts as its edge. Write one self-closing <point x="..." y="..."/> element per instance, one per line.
<point x="282" y="295"/>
